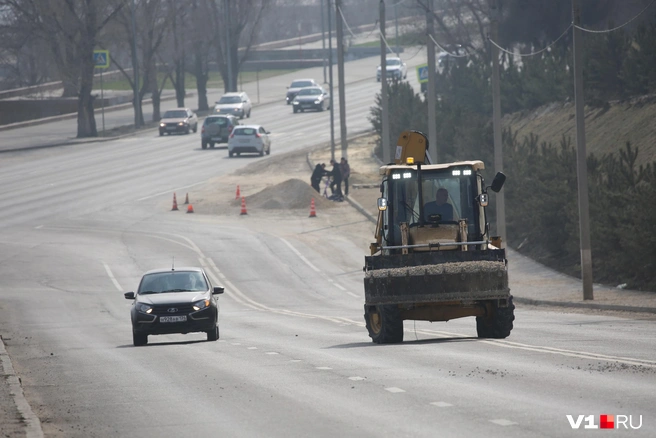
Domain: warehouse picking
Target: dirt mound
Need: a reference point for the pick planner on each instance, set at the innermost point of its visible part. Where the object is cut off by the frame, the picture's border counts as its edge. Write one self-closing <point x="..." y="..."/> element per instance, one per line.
<point x="292" y="194"/>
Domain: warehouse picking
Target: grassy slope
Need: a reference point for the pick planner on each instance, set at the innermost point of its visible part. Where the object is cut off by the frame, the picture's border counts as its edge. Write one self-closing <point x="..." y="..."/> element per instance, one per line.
<point x="606" y="130"/>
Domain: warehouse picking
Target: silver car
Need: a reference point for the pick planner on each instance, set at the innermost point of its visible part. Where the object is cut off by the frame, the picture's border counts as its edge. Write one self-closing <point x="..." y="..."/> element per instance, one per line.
<point x="237" y="104"/>
<point x="249" y="139"/>
<point x="296" y="86"/>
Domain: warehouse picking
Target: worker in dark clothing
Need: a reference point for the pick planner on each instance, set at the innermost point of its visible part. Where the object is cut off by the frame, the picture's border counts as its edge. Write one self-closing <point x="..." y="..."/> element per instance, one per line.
<point x="336" y="182"/>
<point x="346" y="172"/>
<point x="317" y="174"/>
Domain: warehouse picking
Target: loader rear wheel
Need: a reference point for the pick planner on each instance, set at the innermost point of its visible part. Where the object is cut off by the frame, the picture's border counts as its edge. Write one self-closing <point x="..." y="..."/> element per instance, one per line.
<point x="384" y="324"/>
<point x="499" y="324"/>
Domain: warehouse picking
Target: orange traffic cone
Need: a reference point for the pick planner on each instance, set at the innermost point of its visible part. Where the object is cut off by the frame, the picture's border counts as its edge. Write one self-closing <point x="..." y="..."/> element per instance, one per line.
<point x="237" y="195"/>
<point x="175" y="203"/>
<point x="313" y="211"/>
<point x="190" y="208"/>
<point x="187" y="198"/>
<point x="243" y="206"/>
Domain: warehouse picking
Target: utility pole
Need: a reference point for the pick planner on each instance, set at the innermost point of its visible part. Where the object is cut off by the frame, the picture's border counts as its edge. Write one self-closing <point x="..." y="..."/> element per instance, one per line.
<point x="581" y="156"/>
<point x="432" y="93"/>
<point x="496" y="117"/>
<point x="396" y="25"/>
<point x="330" y="79"/>
<point x="135" y="71"/>
<point x="340" y="76"/>
<point x="384" y="121"/>
<point x="323" y="42"/>
<point x="228" y="53"/>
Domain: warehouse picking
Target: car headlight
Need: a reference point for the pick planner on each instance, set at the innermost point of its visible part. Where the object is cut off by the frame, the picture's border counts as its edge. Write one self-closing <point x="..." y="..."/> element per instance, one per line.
<point x="202" y="304"/>
<point x="317" y="102"/>
<point x="296" y="102"/>
<point x="181" y="124"/>
<point x="162" y="125"/>
<point x="144" y="308"/>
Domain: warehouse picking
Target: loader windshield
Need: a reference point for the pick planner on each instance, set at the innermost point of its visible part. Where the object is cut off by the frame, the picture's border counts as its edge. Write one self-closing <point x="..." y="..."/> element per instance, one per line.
<point x="455" y="187"/>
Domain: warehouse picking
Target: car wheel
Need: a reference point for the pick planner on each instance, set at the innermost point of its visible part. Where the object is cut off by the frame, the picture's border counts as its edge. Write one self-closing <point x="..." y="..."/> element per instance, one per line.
<point x="262" y="152"/>
<point x="195" y="128"/>
<point x="213" y="335"/>
<point x="269" y="150"/>
<point x="212" y="144"/>
<point x="187" y="130"/>
<point x="249" y="114"/>
<point x="161" y="133"/>
<point x="295" y="111"/>
<point x="139" y="339"/>
<point x="204" y="145"/>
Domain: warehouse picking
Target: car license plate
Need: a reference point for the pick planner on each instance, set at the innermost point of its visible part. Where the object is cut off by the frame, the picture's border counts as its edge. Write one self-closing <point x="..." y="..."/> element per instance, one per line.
<point x="181" y="318"/>
<point x="216" y="138"/>
<point x="244" y="140"/>
<point x="170" y="128"/>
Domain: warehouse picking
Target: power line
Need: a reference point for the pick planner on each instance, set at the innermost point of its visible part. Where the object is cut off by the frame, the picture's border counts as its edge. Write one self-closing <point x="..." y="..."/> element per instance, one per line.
<point x="339" y="9"/>
<point x="618" y="27"/>
<point x="533" y="53"/>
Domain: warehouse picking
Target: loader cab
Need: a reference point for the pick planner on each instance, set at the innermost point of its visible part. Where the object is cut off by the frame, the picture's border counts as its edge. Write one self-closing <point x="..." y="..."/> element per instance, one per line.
<point x="414" y="203"/>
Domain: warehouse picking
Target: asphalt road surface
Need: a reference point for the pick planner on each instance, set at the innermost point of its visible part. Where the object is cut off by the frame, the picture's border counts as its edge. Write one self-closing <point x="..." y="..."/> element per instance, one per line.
<point x="81" y="223"/>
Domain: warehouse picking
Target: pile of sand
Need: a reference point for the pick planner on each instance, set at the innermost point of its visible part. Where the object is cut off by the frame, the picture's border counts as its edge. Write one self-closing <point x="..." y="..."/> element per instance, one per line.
<point x="293" y="194"/>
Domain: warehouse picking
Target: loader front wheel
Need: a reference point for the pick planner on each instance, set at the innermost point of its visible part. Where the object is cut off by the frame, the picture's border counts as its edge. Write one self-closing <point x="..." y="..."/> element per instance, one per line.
<point x="499" y="324"/>
<point x="384" y="324"/>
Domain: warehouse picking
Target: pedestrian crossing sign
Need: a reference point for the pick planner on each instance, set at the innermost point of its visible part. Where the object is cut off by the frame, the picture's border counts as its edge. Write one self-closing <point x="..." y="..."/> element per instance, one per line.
<point x="422" y="73"/>
<point x="101" y="58"/>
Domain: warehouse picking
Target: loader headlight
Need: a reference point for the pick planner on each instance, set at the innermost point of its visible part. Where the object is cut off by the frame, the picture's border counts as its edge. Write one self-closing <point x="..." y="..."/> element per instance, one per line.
<point x="483" y="199"/>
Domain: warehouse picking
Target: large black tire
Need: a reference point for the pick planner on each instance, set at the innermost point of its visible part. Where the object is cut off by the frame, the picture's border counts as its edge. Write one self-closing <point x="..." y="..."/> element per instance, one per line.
<point x="212" y="145"/>
<point x="499" y="324"/>
<point x="213" y="335"/>
<point x="204" y="145"/>
<point x="230" y="154"/>
<point x="384" y="324"/>
<point x="139" y="339"/>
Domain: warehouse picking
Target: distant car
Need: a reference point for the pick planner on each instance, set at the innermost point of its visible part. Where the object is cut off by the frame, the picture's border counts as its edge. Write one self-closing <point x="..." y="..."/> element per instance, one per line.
<point x="296" y="86"/>
<point x="451" y="52"/>
<point x="395" y="68"/>
<point x="238" y="104"/>
<point x="249" y="138"/>
<point x="178" y="120"/>
<point x="216" y="129"/>
<point x="174" y="301"/>
<point x="311" y="98"/>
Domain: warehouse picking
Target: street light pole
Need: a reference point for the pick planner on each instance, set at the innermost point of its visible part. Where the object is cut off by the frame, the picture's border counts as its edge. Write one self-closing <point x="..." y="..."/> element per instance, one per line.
<point x="384" y="121"/>
<point x="340" y="76"/>
<point x="228" y="53"/>
<point x="330" y="76"/>
<point x="323" y="43"/>
<point x="135" y="71"/>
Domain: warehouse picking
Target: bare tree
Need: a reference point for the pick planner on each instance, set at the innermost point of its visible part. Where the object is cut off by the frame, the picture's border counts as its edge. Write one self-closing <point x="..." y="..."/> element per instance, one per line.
<point x="238" y="21"/>
<point x="153" y="18"/>
<point x="72" y="27"/>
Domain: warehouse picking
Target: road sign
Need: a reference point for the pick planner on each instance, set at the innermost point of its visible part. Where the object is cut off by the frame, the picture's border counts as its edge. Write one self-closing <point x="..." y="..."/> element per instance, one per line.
<point x="101" y="58"/>
<point x="422" y="73"/>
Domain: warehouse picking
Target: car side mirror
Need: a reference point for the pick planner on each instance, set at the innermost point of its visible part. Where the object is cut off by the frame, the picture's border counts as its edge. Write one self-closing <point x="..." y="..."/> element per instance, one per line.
<point x="129" y="295"/>
<point x="218" y="290"/>
<point x="497" y="182"/>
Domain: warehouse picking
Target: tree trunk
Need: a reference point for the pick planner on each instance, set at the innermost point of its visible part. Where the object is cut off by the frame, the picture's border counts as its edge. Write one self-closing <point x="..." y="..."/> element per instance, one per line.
<point x="154" y="90"/>
<point x="201" y="82"/>
<point x="180" y="82"/>
<point x="86" y="121"/>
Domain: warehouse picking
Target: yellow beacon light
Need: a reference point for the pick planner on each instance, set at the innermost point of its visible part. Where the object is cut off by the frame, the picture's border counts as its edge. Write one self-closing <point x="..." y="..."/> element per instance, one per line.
<point x="410" y="160"/>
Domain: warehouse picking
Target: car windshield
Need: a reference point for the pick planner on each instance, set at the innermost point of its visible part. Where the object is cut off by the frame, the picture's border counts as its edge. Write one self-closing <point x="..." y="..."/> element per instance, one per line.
<point x="175" y="114"/>
<point x="245" y="131"/>
<point x="309" y="92"/>
<point x="172" y="281"/>
<point x="230" y="99"/>
<point x="393" y="62"/>
<point x="301" y="84"/>
<point x="220" y="121"/>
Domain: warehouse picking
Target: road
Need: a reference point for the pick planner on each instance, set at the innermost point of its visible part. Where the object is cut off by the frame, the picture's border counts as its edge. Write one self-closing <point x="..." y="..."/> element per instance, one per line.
<point x="81" y="223"/>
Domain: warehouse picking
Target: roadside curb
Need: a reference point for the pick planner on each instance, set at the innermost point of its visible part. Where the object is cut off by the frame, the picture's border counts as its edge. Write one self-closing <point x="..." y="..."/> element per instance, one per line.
<point x="596" y="306"/>
<point x="32" y="422"/>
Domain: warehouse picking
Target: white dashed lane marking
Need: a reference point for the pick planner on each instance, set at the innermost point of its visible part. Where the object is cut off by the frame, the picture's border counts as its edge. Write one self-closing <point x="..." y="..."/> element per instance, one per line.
<point x="394" y="389"/>
<point x="441" y="404"/>
<point x="503" y="422"/>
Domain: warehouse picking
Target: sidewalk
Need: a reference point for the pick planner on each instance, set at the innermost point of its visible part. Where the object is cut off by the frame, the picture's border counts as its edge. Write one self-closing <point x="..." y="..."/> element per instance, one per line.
<point x="530" y="282"/>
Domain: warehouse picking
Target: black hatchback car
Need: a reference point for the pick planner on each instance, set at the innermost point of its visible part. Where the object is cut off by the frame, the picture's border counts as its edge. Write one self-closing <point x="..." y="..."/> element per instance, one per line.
<point x="170" y="301"/>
